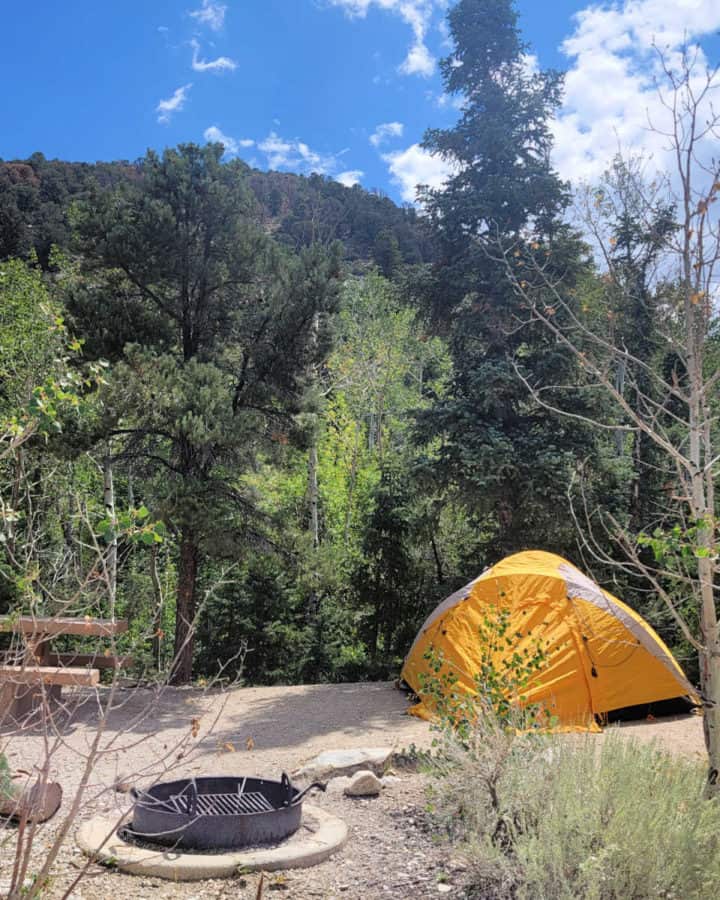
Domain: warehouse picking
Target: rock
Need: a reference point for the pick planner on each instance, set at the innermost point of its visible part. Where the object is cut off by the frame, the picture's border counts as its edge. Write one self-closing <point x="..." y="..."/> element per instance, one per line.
<point x="363" y="784"/>
<point x="390" y="780"/>
<point x="346" y="762"/>
<point x="337" y="785"/>
<point x="444" y="888"/>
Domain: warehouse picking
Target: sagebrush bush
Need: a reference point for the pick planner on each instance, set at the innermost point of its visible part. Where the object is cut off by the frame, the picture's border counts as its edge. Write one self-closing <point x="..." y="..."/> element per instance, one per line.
<point x="566" y="817"/>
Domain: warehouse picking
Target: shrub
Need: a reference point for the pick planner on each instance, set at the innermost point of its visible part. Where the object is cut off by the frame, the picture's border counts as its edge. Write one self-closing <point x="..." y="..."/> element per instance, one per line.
<point x="562" y="817"/>
<point x="500" y="686"/>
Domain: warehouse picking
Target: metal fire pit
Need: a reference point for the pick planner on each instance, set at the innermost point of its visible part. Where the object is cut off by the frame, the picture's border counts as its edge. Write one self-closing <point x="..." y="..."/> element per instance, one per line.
<point x="223" y="813"/>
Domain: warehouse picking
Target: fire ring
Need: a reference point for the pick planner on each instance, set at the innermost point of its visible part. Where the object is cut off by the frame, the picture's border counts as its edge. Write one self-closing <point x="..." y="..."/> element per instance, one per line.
<point x="98" y="838"/>
<point x="218" y="813"/>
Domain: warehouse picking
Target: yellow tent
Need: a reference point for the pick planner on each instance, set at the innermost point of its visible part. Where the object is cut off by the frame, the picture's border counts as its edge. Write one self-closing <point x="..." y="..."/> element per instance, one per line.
<point x="600" y="656"/>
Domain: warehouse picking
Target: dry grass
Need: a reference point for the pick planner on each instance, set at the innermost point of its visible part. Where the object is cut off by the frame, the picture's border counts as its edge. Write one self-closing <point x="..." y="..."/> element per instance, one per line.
<point x="546" y="818"/>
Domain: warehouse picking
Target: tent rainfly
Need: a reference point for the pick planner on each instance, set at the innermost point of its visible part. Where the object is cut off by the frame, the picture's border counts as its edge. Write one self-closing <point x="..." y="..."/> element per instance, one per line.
<point x="599" y="655"/>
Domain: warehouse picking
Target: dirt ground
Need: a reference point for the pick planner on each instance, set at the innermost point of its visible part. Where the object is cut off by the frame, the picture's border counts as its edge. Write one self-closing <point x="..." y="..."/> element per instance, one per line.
<point x="264" y="731"/>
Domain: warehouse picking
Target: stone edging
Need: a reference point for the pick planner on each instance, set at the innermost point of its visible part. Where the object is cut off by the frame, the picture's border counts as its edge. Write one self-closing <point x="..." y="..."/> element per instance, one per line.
<point x="330" y="836"/>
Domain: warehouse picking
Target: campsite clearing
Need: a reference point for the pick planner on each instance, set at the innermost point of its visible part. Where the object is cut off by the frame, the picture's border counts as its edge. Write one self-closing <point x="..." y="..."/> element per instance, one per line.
<point x="288" y="726"/>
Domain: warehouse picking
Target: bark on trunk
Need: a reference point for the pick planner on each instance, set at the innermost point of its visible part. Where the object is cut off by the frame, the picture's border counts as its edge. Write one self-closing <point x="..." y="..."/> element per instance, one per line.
<point x="711" y="721"/>
<point x="157" y="634"/>
<point x="185" y="609"/>
<point x="702" y="507"/>
<point x="710" y="675"/>
<point x="438" y="560"/>
<point x="352" y="480"/>
<point x="314" y="495"/>
<point x="15" y="499"/>
<point x="112" y="551"/>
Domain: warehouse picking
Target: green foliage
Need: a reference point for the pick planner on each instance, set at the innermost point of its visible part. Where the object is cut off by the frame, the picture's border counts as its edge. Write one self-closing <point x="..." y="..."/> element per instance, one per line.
<point x="607" y="822"/>
<point x="42" y="383"/>
<point x="37" y="194"/>
<point x="134" y="525"/>
<point x="31" y="335"/>
<point x="503" y="134"/>
<point x="221" y="364"/>
<point x="508" y="457"/>
<point x="355" y="601"/>
<point x="678" y="545"/>
<point x="236" y="360"/>
<point x="504" y="674"/>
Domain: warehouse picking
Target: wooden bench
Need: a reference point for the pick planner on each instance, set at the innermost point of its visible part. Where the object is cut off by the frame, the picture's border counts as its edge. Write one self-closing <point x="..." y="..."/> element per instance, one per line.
<point x="96" y="660"/>
<point x="61" y="675"/>
<point x="54" y="625"/>
<point x="20" y="691"/>
<point x="20" y="685"/>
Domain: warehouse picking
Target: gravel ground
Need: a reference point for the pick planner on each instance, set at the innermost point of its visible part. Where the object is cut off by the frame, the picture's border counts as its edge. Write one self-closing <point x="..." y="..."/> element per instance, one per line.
<point x="263" y="731"/>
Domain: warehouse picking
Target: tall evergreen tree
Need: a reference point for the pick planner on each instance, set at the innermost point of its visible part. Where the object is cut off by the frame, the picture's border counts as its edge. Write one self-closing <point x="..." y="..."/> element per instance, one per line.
<point x="507" y="455"/>
<point x="223" y="323"/>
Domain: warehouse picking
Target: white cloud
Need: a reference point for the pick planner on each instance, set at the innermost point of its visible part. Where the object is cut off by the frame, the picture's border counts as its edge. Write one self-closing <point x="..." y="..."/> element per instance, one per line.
<point x="294" y="155"/>
<point x="610" y="88"/>
<point x="210" y="14"/>
<point x="414" y="166"/>
<point x="288" y="154"/>
<point x="385" y="132"/>
<point x="419" y="61"/>
<point x="351" y="178"/>
<point x="221" y="64"/>
<point x="214" y="135"/>
<point x="166" y="108"/>
<point x="418" y="14"/>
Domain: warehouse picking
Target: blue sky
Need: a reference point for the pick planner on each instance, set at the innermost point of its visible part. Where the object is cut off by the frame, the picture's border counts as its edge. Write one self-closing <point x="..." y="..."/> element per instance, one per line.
<point x="344" y="87"/>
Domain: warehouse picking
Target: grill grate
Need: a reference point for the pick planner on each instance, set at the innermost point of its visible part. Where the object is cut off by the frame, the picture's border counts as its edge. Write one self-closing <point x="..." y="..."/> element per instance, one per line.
<point x="221" y="804"/>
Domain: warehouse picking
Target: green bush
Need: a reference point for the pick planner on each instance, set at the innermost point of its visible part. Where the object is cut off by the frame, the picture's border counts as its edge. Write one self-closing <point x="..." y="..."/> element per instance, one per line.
<point x="562" y="817"/>
<point x="501" y="683"/>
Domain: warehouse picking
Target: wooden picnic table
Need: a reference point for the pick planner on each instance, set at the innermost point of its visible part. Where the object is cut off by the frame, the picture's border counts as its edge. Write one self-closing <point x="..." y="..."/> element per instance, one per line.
<point x="21" y="685"/>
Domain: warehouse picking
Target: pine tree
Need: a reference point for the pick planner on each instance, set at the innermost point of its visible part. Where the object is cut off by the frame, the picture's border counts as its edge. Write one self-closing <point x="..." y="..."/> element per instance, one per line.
<point x="222" y="323"/>
<point x="508" y="457"/>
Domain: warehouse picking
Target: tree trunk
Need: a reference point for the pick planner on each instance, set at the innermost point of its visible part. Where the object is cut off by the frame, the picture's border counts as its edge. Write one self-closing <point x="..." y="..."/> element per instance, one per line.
<point x="710" y="668"/>
<point x="702" y="509"/>
<point x="620" y="386"/>
<point x="157" y="634"/>
<point x="185" y="609"/>
<point x="352" y="480"/>
<point x="379" y="425"/>
<point x="314" y="494"/>
<point x="710" y="687"/>
<point x="112" y="551"/>
<point x="15" y="499"/>
<point x="438" y="560"/>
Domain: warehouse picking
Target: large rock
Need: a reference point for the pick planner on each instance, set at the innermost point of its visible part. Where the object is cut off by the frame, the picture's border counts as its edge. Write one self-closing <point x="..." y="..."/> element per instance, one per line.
<point x="363" y="784"/>
<point x="346" y="762"/>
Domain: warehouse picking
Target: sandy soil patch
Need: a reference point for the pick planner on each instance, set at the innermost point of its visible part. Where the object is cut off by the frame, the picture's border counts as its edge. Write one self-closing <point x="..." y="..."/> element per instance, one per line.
<point x="264" y="731"/>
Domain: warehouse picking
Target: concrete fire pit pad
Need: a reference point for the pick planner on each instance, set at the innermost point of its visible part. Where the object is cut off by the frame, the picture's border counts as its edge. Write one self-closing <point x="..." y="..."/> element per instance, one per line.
<point x="319" y="836"/>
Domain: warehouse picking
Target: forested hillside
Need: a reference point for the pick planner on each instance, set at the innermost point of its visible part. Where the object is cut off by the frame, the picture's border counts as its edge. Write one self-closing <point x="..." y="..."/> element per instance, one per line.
<point x="36" y="195"/>
<point x="273" y="420"/>
<point x="261" y="378"/>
